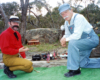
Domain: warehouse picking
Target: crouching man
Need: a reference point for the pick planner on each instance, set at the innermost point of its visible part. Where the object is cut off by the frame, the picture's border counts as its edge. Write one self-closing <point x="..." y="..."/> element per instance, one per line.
<point x="82" y="39"/>
<point x="11" y="46"/>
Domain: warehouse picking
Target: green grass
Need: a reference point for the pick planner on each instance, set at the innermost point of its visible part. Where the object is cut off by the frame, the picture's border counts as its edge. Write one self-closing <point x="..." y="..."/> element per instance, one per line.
<point x="53" y="73"/>
<point x="0" y="52"/>
<point x="43" y="47"/>
<point x="98" y="34"/>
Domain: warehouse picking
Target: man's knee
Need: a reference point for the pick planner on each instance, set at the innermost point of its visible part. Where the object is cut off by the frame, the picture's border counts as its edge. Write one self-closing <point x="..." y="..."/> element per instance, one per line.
<point x="29" y="70"/>
<point x="73" y="42"/>
<point x="28" y="64"/>
<point x="83" y="63"/>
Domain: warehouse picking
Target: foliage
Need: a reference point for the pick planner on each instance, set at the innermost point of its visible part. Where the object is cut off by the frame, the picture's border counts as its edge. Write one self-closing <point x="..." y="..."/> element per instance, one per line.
<point x="91" y="12"/>
<point x="57" y="17"/>
<point x="1" y="24"/>
<point x="10" y="8"/>
<point x="7" y="9"/>
<point x="46" y="21"/>
<point x="30" y="22"/>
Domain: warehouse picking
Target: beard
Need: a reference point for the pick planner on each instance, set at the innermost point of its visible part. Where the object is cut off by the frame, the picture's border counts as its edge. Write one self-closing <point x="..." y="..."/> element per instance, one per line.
<point x="15" y="27"/>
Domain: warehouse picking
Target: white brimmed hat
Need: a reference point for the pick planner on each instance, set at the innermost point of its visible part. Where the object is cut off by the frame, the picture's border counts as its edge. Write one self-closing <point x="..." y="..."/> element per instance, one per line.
<point x="14" y="19"/>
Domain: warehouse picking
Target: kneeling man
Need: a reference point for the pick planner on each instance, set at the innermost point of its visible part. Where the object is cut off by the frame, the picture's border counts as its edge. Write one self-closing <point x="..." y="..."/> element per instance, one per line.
<point x="82" y="39"/>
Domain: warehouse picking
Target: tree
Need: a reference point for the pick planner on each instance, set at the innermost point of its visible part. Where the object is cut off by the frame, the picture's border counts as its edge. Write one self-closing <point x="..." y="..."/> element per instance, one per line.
<point x="75" y="4"/>
<point x="4" y="16"/>
<point x="10" y="8"/>
<point x="43" y="3"/>
<point x="56" y="17"/>
<point x="24" y="7"/>
<point x="7" y="9"/>
<point x="37" y="22"/>
<point x="91" y="12"/>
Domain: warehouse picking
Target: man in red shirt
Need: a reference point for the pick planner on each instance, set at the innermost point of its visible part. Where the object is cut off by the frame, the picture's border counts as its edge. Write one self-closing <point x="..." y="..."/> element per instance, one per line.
<point x="11" y="46"/>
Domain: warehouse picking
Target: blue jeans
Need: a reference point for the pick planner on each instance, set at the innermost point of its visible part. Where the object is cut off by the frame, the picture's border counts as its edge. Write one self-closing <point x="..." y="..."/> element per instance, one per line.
<point x="79" y="52"/>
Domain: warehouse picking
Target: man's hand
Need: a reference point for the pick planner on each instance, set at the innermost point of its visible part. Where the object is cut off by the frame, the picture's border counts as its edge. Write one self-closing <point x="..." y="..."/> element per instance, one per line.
<point x="63" y="42"/>
<point x="22" y="49"/>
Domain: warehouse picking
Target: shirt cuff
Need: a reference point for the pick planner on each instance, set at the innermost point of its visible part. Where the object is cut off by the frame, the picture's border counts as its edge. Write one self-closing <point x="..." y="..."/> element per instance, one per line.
<point x="67" y="39"/>
<point x="23" y="54"/>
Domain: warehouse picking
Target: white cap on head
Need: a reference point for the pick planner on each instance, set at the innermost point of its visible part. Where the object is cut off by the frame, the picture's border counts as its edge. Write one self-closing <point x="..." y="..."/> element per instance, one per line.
<point x="14" y="19"/>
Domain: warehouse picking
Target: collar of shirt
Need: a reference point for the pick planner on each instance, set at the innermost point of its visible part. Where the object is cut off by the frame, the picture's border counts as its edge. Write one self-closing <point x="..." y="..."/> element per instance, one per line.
<point x="72" y="22"/>
<point x="10" y="30"/>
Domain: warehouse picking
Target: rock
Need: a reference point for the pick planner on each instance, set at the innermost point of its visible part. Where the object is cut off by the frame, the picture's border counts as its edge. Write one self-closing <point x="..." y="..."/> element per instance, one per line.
<point x="47" y="35"/>
<point x="96" y="51"/>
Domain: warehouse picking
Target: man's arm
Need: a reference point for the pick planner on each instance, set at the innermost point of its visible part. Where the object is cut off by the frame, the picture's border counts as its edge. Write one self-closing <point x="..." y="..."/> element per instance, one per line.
<point x="5" y="47"/>
<point x="66" y="35"/>
<point x="78" y="30"/>
<point x="22" y="49"/>
<point x="79" y="25"/>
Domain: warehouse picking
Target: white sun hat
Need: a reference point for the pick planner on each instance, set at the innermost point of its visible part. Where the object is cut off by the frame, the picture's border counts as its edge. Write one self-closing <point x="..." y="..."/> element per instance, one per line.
<point x="14" y="19"/>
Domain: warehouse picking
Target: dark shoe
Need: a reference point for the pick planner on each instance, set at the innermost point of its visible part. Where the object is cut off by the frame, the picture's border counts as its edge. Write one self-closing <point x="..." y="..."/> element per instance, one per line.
<point x="8" y="72"/>
<point x="8" y="68"/>
<point x="72" y="73"/>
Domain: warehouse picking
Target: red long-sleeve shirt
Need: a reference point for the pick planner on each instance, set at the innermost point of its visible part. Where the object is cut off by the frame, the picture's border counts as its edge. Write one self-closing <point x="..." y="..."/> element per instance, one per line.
<point x="9" y="43"/>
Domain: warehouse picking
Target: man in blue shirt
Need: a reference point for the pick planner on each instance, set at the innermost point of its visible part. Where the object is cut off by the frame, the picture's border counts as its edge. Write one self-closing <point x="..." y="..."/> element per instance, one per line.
<point x="82" y="39"/>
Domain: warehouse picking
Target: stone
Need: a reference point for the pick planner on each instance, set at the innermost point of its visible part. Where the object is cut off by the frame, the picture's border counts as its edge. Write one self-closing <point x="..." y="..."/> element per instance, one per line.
<point x="96" y="51"/>
<point x="44" y="35"/>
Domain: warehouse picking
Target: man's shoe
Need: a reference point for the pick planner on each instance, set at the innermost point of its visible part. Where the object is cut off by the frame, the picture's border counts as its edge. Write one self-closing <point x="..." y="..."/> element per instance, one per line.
<point x="72" y="73"/>
<point x="8" y="72"/>
<point x="8" y="68"/>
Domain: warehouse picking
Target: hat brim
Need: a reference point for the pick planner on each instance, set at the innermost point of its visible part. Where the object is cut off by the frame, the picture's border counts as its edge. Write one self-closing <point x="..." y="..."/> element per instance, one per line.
<point x="16" y="21"/>
<point x="64" y="9"/>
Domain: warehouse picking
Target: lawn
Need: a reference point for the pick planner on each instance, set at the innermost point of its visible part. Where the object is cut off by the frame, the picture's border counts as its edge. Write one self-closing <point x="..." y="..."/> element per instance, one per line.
<point x="53" y="73"/>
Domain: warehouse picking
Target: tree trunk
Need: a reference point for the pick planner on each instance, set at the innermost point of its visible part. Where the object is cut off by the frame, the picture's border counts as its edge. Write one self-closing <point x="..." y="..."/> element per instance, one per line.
<point x="24" y="7"/>
<point x="50" y="15"/>
<point x="38" y="20"/>
<point x="4" y="17"/>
